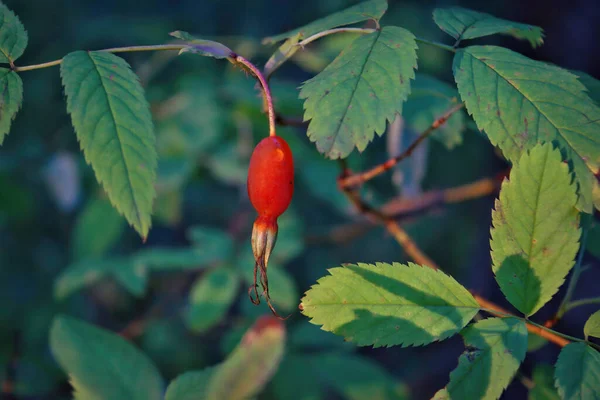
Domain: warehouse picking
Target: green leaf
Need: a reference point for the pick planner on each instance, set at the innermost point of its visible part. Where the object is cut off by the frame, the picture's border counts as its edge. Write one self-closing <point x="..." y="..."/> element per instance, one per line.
<point x="592" y="326"/>
<point x="429" y="99"/>
<point x="96" y="230"/>
<point x="519" y="103"/>
<point x="535" y="342"/>
<point x="203" y="47"/>
<point x="543" y="379"/>
<point x="183" y="258"/>
<point x="13" y="37"/>
<point x="282" y="54"/>
<point x="356" y="377"/>
<point x="87" y="272"/>
<point x="461" y="24"/>
<point x="535" y="234"/>
<point x="190" y="385"/>
<point x="373" y="9"/>
<point x="495" y="349"/>
<point x="286" y="384"/>
<point x="114" y="127"/>
<point x="101" y="364"/>
<point x="252" y="364"/>
<point x="359" y="91"/>
<point x="210" y="298"/>
<point x="408" y="305"/>
<point x="577" y="373"/>
<point x="11" y="87"/>
<point x="591" y="84"/>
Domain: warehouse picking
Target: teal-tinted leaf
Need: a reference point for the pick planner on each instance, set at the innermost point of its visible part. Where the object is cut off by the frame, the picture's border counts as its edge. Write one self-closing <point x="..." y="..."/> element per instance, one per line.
<point x="286" y="384"/>
<point x="13" y="37"/>
<point x="11" y="97"/>
<point x="203" y="47"/>
<point x="101" y="364"/>
<point x="112" y="119"/>
<point x="543" y="380"/>
<point x="495" y="349"/>
<point x="519" y="103"/>
<point x="386" y="305"/>
<point x="215" y="242"/>
<point x="591" y="84"/>
<point x="535" y="234"/>
<point x="429" y="99"/>
<point x="210" y="298"/>
<point x="362" y="89"/>
<point x="87" y="272"/>
<point x="227" y="165"/>
<point x="238" y="376"/>
<point x="357" y="378"/>
<point x="190" y="385"/>
<point x="461" y="24"/>
<point x="372" y="9"/>
<point x="577" y="373"/>
<point x="97" y="229"/>
<point x="592" y="326"/>
<point x="593" y="240"/>
<point x="307" y="336"/>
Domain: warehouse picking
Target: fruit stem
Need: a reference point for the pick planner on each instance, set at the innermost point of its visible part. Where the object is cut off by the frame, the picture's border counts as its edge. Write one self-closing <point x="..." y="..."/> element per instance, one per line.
<point x="265" y="89"/>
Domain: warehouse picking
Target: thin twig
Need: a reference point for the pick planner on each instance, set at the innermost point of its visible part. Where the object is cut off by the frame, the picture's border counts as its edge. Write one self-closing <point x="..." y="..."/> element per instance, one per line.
<point x="265" y="89"/>
<point x="129" y="49"/>
<point x="333" y="31"/>
<point x="360" y="178"/>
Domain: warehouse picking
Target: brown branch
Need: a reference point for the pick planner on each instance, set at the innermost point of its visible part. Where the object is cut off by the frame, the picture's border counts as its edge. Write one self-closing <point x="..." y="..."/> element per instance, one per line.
<point x="415" y="253"/>
<point x="360" y="178"/>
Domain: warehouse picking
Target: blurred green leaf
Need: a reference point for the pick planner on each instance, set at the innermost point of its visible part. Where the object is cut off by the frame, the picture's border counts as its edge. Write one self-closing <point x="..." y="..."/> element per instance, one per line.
<point x="102" y="365"/>
<point x="409" y="304"/>
<point x="191" y="385"/>
<point x="462" y="24"/>
<point x="211" y="241"/>
<point x="97" y="229"/>
<point x="306" y="336"/>
<point x="287" y="385"/>
<point x="290" y="238"/>
<point x="535" y="234"/>
<point x="495" y="349"/>
<point x="173" y="173"/>
<point x="167" y="206"/>
<point x="238" y="377"/>
<point x="89" y="271"/>
<point x="378" y="67"/>
<point x="577" y="372"/>
<point x="429" y="99"/>
<point x="592" y="326"/>
<point x="372" y="9"/>
<point x="513" y="99"/>
<point x="11" y="87"/>
<point x="357" y="377"/>
<point x="210" y="298"/>
<point x="283" y="53"/>
<point x="535" y="342"/>
<point x="13" y="37"/>
<point x="113" y="123"/>
<point x="543" y="379"/>
<point x="203" y="47"/>
<point x="226" y="164"/>
<point x="593" y="240"/>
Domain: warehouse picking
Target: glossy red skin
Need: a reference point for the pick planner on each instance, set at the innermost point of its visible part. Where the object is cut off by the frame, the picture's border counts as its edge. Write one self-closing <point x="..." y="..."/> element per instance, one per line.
<point x="271" y="177"/>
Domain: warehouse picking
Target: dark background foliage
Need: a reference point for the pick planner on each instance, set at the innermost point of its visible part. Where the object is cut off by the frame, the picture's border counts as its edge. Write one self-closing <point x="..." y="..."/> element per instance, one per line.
<point x="45" y="183"/>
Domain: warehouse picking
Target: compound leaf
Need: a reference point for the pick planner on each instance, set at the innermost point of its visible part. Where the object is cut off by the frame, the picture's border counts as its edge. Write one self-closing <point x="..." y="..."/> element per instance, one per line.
<point x="495" y="349"/>
<point x="11" y="98"/>
<point x="13" y="37"/>
<point x="372" y="9"/>
<point x="535" y="234"/>
<point x="461" y="23"/>
<point x="389" y="304"/>
<point x="362" y="89"/>
<point x="577" y="372"/>
<point x="101" y="364"/>
<point x="112" y="119"/>
<point x="520" y="102"/>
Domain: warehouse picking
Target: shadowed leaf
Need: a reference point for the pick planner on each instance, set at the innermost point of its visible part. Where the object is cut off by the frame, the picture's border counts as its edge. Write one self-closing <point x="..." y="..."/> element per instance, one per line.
<point x="11" y="98"/>
<point x="577" y="372"/>
<point x="13" y="37"/>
